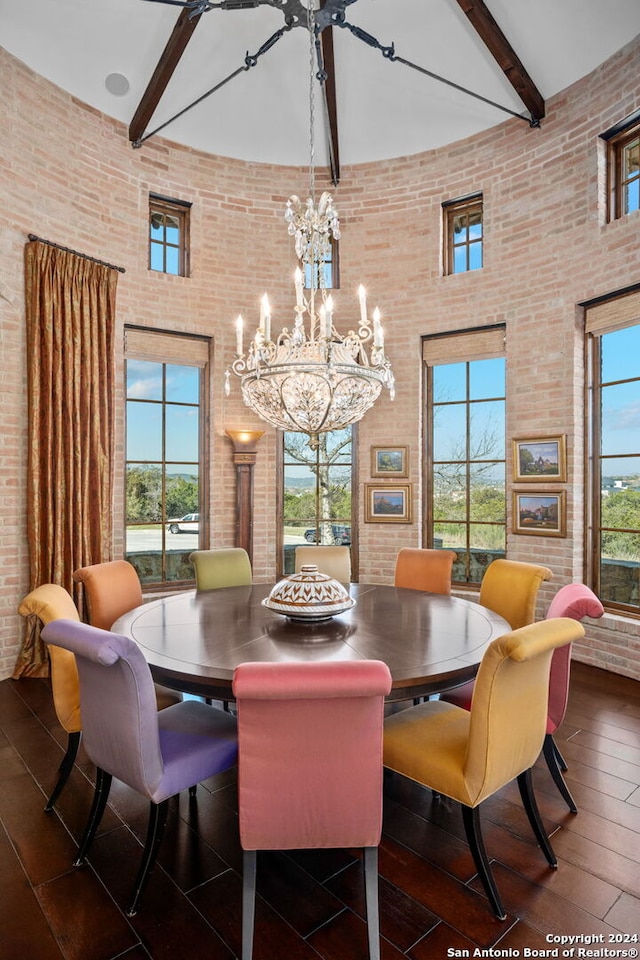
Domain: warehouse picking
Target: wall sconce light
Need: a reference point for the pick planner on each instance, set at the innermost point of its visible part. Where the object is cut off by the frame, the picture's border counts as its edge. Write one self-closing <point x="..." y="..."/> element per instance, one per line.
<point x="244" y="456"/>
<point x="244" y="441"/>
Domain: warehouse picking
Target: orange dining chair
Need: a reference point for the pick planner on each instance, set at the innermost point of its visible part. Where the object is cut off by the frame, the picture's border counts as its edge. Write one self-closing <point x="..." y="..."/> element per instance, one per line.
<point x="331" y="559"/>
<point x="428" y="570"/>
<point x="469" y="755"/>
<point x="310" y="767"/>
<point x="112" y="589"/>
<point x="51" y="602"/>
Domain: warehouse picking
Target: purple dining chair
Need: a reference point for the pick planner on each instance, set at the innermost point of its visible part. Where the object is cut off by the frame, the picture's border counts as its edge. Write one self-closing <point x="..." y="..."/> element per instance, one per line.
<point x="158" y="753"/>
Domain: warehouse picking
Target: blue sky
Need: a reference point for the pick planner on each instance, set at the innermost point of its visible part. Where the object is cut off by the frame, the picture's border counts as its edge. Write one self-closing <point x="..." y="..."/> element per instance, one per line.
<point x="144" y="420"/>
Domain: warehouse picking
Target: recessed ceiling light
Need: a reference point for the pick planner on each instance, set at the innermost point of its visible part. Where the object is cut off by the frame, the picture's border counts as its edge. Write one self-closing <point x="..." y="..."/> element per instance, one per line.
<point x="117" y="84"/>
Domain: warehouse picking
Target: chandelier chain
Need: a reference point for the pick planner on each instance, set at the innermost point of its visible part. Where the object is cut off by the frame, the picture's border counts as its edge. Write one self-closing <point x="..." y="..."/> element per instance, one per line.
<point x="312" y="379"/>
<point x="311" y="26"/>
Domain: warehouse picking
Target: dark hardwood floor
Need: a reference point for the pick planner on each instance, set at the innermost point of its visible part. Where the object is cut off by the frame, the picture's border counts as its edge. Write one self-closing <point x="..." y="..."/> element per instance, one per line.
<point x="311" y="903"/>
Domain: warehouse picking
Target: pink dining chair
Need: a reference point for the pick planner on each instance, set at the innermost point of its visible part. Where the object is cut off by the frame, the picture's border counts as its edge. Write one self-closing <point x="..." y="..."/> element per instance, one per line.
<point x="310" y="767"/>
<point x="576" y="601"/>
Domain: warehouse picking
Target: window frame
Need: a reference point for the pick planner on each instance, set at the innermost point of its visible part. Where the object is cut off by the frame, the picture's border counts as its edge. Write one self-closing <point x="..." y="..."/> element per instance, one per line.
<point x="608" y="315"/>
<point x="181" y="210"/>
<point x="176" y="349"/>
<point x="280" y="560"/>
<point x="333" y="261"/>
<point x="463" y="206"/>
<point x="464" y="346"/>
<point x="617" y="140"/>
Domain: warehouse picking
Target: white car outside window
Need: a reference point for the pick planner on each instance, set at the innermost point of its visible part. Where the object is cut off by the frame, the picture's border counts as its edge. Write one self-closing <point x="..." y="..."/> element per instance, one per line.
<point x="186" y="524"/>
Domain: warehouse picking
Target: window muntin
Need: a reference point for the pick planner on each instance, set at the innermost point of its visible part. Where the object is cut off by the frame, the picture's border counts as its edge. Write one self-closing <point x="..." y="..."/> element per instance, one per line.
<point x="323" y="274"/>
<point x="163" y="467"/>
<point x="168" y="236"/>
<point x="630" y="175"/>
<point x="615" y="504"/>
<point x="466" y="463"/>
<point x="317" y="501"/>
<point x="464" y="235"/>
<point x="623" y="167"/>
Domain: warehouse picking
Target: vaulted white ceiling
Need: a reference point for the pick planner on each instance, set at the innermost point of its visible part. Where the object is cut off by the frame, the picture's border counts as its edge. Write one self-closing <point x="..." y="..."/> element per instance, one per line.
<point x="384" y="107"/>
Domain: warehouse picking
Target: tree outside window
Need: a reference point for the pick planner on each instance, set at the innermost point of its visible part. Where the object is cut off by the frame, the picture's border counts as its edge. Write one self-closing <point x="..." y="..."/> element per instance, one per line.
<point x="317" y="491"/>
<point x="466" y="462"/>
<point x="615" y="526"/>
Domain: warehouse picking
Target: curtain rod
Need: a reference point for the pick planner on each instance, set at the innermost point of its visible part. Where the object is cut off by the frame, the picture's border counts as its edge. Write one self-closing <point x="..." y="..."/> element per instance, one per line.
<point x="85" y="256"/>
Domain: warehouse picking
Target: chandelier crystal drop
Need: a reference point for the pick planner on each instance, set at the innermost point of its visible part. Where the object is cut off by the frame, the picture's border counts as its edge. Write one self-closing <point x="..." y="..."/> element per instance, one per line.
<point x="311" y="378"/>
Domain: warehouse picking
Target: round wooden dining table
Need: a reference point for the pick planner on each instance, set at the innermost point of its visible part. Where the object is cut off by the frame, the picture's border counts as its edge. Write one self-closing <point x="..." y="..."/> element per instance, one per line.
<point x="193" y="641"/>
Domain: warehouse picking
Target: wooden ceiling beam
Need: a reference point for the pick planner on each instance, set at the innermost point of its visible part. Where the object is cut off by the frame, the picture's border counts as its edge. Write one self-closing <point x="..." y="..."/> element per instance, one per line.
<point x="176" y="45"/>
<point x="492" y="36"/>
<point x="329" y="92"/>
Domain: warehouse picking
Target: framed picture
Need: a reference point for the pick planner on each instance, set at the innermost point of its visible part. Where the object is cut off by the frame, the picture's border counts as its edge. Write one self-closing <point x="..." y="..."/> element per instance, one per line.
<point x="387" y="504"/>
<point x="540" y="514"/>
<point x="389" y="461"/>
<point x="539" y="459"/>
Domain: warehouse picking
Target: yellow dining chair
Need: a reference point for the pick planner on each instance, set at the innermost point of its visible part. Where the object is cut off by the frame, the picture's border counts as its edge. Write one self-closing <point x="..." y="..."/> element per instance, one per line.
<point x="428" y="570"/>
<point x="469" y="755"/>
<point x="112" y="589"/>
<point x="577" y="601"/>
<point x="51" y="602"/>
<point x="510" y="588"/>
<point x="222" y="567"/>
<point x="333" y="560"/>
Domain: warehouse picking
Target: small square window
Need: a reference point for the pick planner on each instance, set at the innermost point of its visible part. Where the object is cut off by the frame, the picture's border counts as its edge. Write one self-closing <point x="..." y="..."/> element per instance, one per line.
<point x="463" y="235"/>
<point x="322" y="273"/>
<point x="623" y="167"/>
<point x="169" y="236"/>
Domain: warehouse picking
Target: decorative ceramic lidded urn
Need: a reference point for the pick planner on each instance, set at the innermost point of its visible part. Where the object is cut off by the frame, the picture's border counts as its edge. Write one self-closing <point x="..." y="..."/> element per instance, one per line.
<point x="309" y="595"/>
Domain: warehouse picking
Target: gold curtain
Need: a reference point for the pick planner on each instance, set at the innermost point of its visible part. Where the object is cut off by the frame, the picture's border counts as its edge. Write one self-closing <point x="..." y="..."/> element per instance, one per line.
<point x="70" y="313"/>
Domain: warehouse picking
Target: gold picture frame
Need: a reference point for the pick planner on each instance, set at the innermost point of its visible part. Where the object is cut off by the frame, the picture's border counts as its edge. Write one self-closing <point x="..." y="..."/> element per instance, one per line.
<point x="390" y="462"/>
<point x="540" y="459"/>
<point x="387" y="503"/>
<point x="539" y="514"/>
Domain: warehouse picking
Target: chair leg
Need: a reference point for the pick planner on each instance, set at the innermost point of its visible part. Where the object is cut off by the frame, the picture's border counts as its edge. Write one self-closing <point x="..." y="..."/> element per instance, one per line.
<point x="370" y="862"/>
<point x="561" y="760"/>
<point x="155" y="829"/>
<point x="73" y="742"/>
<point x="100" y="797"/>
<point x="249" y="862"/>
<point x="525" y="785"/>
<point x="471" y="819"/>
<point x="551" y="755"/>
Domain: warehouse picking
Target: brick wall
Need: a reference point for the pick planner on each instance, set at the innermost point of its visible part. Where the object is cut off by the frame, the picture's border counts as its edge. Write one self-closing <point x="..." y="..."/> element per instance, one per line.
<point x="68" y="174"/>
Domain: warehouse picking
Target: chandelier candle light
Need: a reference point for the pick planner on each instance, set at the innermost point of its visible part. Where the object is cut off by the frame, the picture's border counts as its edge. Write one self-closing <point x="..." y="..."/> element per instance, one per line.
<point x="311" y="378"/>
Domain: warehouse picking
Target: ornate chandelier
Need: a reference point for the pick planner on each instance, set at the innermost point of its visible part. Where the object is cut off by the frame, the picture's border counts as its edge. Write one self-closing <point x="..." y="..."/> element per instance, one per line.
<point x="311" y="378"/>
